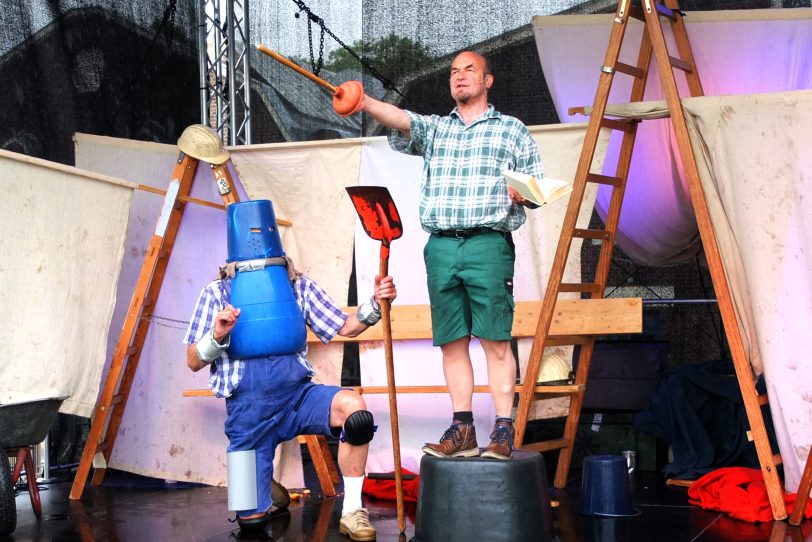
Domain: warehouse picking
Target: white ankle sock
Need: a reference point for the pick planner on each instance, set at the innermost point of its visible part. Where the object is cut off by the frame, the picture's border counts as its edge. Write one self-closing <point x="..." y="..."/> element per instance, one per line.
<point x="352" y="493"/>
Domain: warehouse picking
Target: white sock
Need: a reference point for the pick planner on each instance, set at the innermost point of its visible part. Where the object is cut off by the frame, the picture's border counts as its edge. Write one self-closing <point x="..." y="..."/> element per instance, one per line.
<point x="352" y="493"/>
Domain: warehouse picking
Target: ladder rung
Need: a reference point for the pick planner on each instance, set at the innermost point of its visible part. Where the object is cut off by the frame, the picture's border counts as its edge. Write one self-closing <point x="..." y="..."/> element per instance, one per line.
<point x="762" y="399"/>
<point x="547" y="445"/>
<point x="604" y="179"/>
<point x="116" y="399"/>
<point x="592" y="234"/>
<point x="567" y="340"/>
<point x="586" y="287"/>
<point x="619" y="125"/>
<point x="777" y="459"/>
<point x="680" y="64"/>
<point x="628" y="69"/>
<point x="559" y="391"/>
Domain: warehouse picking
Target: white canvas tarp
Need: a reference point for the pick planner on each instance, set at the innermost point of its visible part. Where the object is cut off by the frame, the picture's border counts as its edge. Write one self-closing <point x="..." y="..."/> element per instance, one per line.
<point x="63" y="241"/>
<point x="162" y="433"/>
<point x="755" y="165"/>
<point x="736" y="52"/>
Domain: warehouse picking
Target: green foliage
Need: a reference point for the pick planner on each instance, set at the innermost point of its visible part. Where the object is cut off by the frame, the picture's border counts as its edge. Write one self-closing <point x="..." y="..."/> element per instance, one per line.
<point x="391" y="55"/>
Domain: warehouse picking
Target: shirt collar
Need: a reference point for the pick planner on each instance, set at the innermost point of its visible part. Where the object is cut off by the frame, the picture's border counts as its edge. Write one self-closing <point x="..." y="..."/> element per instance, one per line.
<point x="489" y="113"/>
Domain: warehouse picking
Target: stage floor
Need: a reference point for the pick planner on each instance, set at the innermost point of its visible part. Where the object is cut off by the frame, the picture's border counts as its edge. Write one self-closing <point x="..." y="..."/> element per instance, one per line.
<point x="132" y="508"/>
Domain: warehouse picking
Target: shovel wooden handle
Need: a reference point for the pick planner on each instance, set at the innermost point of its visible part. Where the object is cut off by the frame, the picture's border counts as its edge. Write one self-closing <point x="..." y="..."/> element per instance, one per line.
<point x="386" y="321"/>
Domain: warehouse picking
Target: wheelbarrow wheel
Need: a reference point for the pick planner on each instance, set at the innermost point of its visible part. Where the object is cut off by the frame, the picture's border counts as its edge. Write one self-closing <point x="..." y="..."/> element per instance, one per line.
<point x="8" y="506"/>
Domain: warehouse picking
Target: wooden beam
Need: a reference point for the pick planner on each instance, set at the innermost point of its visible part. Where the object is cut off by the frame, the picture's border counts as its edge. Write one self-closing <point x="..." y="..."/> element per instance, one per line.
<point x="571" y="317"/>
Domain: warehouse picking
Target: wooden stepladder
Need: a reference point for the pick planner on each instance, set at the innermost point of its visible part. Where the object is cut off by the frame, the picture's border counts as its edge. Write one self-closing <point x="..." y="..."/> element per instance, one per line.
<point x="113" y="399"/>
<point x="653" y="43"/>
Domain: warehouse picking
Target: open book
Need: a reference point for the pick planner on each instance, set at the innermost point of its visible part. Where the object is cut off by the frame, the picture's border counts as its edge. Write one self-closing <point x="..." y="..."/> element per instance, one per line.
<point x="539" y="191"/>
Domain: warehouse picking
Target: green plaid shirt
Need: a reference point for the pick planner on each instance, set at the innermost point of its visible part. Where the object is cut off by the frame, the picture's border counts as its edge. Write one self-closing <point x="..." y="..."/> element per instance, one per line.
<point x="462" y="183"/>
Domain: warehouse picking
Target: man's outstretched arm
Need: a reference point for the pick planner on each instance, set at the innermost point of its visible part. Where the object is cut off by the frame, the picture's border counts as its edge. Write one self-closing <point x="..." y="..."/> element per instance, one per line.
<point x="389" y="115"/>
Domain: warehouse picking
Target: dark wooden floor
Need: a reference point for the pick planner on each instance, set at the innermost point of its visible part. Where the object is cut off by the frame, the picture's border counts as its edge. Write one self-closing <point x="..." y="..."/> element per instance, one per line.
<point x="132" y="508"/>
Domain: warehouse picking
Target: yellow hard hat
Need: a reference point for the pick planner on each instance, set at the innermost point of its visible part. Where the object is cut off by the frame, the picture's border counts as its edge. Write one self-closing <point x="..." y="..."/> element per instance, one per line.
<point x="554" y="370"/>
<point x="203" y="143"/>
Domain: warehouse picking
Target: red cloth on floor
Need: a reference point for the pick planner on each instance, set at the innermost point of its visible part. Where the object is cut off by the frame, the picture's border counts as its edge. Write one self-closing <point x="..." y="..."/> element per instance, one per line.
<point x="739" y="492"/>
<point x="385" y="489"/>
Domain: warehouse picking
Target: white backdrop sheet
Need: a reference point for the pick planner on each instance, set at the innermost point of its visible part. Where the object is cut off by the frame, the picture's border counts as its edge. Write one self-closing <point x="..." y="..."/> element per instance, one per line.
<point x="63" y="241"/>
<point x="755" y="167"/>
<point x="736" y="52"/>
<point x="164" y="434"/>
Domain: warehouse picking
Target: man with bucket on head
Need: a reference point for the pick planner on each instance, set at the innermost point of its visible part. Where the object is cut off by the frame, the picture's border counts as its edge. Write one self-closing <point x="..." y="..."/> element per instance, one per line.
<point x="470" y="211"/>
<point x="249" y="328"/>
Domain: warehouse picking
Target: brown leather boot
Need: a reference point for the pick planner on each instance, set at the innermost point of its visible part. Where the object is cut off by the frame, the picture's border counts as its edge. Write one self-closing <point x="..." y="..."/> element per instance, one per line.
<point x="459" y="440"/>
<point x="501" y="445"/>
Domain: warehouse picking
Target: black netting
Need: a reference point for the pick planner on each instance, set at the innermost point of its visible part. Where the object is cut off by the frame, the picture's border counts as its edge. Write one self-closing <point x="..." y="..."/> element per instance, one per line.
<point x="410" y="44"/>
<point x="117" y="68"/>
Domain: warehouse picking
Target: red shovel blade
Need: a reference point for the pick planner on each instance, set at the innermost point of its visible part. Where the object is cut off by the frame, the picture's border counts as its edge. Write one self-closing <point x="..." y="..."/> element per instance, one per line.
<point x="379" y="216"/>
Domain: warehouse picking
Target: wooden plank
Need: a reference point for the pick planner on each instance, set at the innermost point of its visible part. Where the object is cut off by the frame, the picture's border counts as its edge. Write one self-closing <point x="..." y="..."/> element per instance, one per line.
<point x="543" y="391"/>
<point x="571" y="317"/>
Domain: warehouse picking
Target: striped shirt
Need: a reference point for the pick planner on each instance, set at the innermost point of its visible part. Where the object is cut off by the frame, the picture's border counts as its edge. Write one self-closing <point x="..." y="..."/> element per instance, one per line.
<point x="462" y="183"/>
<point x="321" y="313"/>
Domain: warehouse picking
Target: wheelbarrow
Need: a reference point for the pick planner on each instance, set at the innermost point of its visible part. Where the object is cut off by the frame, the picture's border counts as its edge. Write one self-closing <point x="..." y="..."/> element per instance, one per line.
<point x="22" y="426"/>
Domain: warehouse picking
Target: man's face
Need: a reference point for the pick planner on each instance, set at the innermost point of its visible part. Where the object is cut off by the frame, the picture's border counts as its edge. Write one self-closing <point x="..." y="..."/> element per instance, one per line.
<point x="468" y="79"/>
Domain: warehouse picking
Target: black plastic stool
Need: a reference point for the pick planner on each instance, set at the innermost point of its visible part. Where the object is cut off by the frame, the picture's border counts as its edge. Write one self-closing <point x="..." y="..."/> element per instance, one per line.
<point x="469" y="499"/>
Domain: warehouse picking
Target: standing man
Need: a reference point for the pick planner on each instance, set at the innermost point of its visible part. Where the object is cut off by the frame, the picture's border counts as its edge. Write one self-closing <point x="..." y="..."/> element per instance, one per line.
<point x="272" y="399"/>
<point x="470" y="212"/>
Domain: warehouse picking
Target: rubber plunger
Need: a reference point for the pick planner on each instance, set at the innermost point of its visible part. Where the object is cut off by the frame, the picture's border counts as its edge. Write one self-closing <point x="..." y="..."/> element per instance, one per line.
<point x="347" y="98"/>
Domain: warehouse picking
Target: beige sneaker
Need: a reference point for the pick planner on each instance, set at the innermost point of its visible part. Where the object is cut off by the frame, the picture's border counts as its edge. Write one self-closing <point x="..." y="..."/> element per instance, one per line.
<point x="356" y="525"/>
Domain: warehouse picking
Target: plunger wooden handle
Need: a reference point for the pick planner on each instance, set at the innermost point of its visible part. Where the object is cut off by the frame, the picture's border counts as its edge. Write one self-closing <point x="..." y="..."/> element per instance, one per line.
<point x="292" y="65"/>
<point x="347" y="98"/>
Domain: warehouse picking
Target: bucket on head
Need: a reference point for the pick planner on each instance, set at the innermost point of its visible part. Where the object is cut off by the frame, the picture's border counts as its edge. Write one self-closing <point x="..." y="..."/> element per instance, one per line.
<point x="242" y="480"/>
<point x="605" y="488"/>
<point x="251" y="231"/>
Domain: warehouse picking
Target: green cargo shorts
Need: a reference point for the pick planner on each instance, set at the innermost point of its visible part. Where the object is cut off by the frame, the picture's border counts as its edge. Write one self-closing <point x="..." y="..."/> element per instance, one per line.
<point x="470" y="282"/>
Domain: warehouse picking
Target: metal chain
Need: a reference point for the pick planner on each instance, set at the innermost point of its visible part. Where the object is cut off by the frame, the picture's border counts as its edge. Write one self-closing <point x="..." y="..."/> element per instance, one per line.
<point x="387" y="84"/>
<point x="315" y="67"/>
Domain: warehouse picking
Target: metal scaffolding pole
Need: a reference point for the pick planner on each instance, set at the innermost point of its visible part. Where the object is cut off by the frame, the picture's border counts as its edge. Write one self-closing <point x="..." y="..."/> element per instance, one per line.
<point x="225" y="90"/>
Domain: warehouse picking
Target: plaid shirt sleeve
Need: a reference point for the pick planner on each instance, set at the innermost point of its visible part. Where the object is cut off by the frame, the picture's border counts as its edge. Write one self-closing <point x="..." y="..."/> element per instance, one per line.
<point x="322" y="314"/>
<point x="527" y="155"/>
<point x="421" y="131"/>
<point x="208" y="305"/>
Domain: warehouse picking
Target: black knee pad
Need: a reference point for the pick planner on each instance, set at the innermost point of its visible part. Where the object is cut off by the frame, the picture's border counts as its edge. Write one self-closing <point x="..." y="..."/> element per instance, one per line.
<point x="359" y="428"/>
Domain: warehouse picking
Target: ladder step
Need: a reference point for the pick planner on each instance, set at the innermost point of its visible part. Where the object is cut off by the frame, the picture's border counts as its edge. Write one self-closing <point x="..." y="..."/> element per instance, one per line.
<point x="116" y="399"/>
<point x="547" y="445"/>
<point x="604" y="179"/>
<point x="628" y="69"/>
<point x="592" y="234"/>
<point x="777" y="459"/>
<point x="568" y="340"/>
<point x="637" y="13"/>
<point x="566" y="390"/>
<point x="587" y="287"/>
<point x="680" y="64"/>
<point x="619" y="125"/>
<point x="762" y="399"/>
